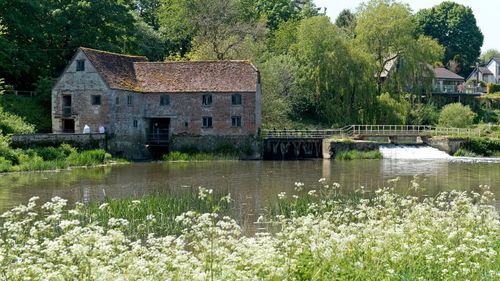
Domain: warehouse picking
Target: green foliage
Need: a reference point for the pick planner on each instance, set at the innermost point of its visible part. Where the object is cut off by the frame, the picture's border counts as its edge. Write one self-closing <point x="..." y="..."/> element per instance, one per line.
<point x="455" y="27"/>
<point x="464" y="153"/>
<point x="492" y="88"/>
<point x="392" y="111"/>
<point x="356" y="154"/>
<point x="483" y="146"/>
<point x="88" y="157"/>
<point x="13" y="124"/>
<point x="488" y="55"/>
<point x="346" y="20"/>
<point x="456" y="115"/>
<point x="201" y="156"/>
<point x="424" y="114"/>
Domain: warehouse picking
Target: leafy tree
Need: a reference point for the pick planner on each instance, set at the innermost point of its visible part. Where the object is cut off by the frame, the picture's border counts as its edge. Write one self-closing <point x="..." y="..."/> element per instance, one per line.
<point x="219" y="28"/>
<point x="392" y="110"/>
<point x="488" y="55"/>
<point x="456" y="115"/>
<point x="385" y="29"/>
<point x="279" y="75"/>
<point x="455" y="27"/>
<point x="148" y="11"/>
<point x="335" y="78"/>
<point x="346" y="20"/>
<point x="280" y="11"/>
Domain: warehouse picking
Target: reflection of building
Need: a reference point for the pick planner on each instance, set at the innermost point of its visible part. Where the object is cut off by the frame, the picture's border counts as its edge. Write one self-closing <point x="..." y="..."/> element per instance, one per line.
<point x="152" y="104"/>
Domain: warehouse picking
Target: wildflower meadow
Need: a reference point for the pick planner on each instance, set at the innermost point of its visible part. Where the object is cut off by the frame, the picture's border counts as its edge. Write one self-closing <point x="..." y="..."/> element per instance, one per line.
<point x="451" y="236"/>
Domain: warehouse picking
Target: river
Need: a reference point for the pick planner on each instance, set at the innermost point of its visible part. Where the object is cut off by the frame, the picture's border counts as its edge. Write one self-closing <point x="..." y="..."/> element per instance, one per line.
<point x="251" y="183"/>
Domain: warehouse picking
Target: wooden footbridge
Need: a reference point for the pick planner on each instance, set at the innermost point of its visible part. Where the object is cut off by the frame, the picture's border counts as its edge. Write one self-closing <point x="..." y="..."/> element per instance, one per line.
<point x="281" y="144"/>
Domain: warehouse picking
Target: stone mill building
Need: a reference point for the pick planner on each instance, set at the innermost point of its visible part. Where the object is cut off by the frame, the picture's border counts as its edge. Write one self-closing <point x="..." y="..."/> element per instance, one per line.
<point x="149" y="106"/>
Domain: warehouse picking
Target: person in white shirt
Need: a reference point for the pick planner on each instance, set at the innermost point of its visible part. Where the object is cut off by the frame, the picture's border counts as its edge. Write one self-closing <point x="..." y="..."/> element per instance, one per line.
<point x="101" y="130"/>
<point x="86" y="129"/>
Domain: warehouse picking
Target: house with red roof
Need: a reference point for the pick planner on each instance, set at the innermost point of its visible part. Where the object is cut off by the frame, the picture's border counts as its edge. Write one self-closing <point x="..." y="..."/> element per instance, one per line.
<point x="143" y="106"/>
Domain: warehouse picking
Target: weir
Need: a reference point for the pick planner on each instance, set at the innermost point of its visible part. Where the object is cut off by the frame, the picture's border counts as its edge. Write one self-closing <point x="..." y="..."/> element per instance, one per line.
<point x="420" y="152"/>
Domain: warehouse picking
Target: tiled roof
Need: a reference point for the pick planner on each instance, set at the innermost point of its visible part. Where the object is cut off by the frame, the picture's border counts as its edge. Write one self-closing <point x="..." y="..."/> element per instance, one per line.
<point x="137" y="74"/>
<point x="117" y="70"/>
<point x="443" y="73"/>
<point x="485" y="70"/>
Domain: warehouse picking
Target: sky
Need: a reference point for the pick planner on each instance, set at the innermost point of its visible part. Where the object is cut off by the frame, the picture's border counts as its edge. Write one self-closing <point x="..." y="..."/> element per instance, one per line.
<point x="485" y="11"/>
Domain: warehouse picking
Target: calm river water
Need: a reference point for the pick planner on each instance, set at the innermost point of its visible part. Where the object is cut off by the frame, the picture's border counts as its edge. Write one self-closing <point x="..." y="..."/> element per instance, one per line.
<point x="251" y="183"/>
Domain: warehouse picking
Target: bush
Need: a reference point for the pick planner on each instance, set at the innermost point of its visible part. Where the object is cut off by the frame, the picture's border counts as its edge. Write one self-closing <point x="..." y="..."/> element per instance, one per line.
<point x="5" y="165"/>
<point x="88" y="157"/>
<point x="356" y="154"/>
<point x="424" y="114"/>
<point x="456" y="115"/>
<point x="392" y="111"/>
<point x="492" y="88"/>
<point x="483" y="146"/>
<point x="50" y="153"/>
<point x="13" y="124"/>
<point x="464" y="153"/>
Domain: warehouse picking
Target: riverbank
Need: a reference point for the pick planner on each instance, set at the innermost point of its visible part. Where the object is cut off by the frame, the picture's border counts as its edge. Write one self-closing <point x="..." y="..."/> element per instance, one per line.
<point x="384" y="236"/>
<point x="199" y="156"/>
<point x="52" y="158"/>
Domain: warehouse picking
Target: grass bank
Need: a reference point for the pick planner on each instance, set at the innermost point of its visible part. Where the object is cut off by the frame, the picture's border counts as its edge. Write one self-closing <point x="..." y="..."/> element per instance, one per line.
<point x="200" y="156"/>
<point x="50" y="158"/>
<point x="356" y="154"/>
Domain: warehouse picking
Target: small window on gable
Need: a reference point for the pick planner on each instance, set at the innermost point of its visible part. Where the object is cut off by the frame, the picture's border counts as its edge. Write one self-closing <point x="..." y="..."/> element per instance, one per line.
<point x="164" y="100"/>
<point x="117" y="100"/>
<point x="80" y="65"/>
<point x="135" y="123"/>
<point x="207" y="122"/>
<point x="236" y="99"/>
<point x="207" y="100"/>
<point x="236" y="121"/>
<point x="95" y="99"/>
<point x="129" y="100"/>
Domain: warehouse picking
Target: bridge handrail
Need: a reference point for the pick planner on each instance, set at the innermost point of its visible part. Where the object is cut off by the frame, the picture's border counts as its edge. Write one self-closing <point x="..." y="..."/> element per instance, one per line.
<point x="382" y="130"/>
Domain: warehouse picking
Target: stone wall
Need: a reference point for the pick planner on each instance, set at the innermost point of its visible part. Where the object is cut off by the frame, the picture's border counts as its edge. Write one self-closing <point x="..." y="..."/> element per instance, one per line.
<point x="331" y="148"/>
<point x="248" y="146"/>
<point x="448" y="145"/>
<point x="85" y="141"/>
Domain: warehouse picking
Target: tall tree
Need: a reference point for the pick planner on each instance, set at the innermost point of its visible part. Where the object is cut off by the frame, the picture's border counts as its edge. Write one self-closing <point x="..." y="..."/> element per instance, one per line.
<point x="488" y="55"/>
<point x="335" y="79"/>
<point x="346" y="20"/>
<point x="385" y="29"/>
<point x="455" y="27"/>
<point x="280" y="11"/>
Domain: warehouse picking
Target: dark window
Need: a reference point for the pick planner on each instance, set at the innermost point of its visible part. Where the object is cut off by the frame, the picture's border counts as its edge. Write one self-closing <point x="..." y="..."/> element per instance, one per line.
<point x="207" y="100"/>
<point x="207" y="122"/>
<point x="164" y="100"/>
<point x="236" y="121"/>
<point x="135" y="123"/>
<point x="117" y="100"/>
<point x="95" y="99"/>
<point x="80" y="65"/>
<point x="129" y="100"/>
<point x="236" y="99"/>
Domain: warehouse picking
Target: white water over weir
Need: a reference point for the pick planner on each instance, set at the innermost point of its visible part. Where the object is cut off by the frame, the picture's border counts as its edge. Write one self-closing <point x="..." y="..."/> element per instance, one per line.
<point x="420" y="152"/>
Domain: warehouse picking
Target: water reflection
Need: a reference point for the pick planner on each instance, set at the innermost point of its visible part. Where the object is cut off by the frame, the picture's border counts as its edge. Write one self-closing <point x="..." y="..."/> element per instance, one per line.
<point x="251" y="184"/>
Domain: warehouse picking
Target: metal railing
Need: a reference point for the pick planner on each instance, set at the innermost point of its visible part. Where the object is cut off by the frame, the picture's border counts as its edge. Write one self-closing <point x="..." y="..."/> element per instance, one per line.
<point x="159" y="136"/>
<point x="302" y="134"/>
<point x="370" y="130"/>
